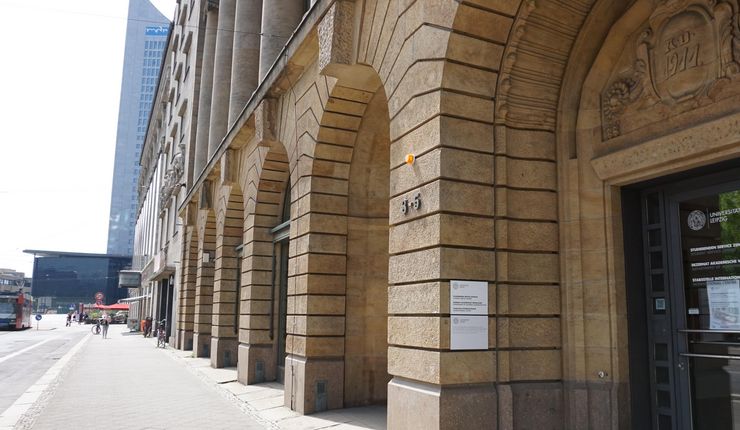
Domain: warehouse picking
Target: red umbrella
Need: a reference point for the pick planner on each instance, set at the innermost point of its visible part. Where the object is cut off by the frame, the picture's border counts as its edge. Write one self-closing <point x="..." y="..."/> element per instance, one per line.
<point x="113" y="307"/>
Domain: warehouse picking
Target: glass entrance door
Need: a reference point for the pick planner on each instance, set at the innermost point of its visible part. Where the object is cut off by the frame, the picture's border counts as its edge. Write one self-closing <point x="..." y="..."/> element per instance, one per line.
<point x="705" y="250"/>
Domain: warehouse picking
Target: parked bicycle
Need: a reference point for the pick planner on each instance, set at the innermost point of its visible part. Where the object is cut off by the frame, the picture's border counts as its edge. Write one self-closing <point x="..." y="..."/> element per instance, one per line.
<point x="162" y="334"/>
<point x="96" y="328"/>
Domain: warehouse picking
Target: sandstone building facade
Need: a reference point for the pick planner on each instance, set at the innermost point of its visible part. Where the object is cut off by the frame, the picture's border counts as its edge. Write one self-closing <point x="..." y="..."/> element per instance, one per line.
<point x="356" y="161"/>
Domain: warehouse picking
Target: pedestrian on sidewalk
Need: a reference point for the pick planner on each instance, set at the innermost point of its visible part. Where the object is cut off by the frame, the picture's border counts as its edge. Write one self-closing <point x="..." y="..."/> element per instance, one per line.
<point x="69" y="319"/>
<point x="104" y="322"/>
<point x="147" y="326"/>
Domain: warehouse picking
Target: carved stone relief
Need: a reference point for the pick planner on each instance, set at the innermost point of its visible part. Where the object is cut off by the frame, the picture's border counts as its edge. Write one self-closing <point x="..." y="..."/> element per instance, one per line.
<point x="172" y="177"/>
<point x="686" y="56"/>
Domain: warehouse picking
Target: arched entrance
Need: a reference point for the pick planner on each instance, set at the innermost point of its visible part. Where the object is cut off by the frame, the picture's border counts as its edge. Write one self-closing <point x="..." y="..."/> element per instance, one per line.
<point x="645" y="115"/>
<point x="337" y="313"/>
<point x="264" y="264"/>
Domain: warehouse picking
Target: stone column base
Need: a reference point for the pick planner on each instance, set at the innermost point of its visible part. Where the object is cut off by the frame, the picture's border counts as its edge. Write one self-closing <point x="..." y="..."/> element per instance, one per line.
<point x="313" y="385"/>
<point x="415" y="405"/>
<point x="185" y="340"/>
<point x="223" y="352"/>
<point x="202" y="344"/>
<point x="256" y="364"/>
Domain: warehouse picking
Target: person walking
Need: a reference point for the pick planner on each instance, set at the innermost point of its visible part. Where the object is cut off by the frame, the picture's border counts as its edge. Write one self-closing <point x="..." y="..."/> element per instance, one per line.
<point x="147" y="326"/>
<point x="104" y="322"/>
<point x="69" y="319"/>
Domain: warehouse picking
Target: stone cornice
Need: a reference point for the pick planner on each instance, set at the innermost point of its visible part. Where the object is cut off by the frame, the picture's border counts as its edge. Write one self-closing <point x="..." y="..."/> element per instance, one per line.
<point x="280" y="67"/>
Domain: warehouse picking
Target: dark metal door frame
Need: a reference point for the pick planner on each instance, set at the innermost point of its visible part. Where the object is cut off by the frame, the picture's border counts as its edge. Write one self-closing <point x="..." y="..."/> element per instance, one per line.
<point x="670" y="196"/>
<point x="712" y="184"/>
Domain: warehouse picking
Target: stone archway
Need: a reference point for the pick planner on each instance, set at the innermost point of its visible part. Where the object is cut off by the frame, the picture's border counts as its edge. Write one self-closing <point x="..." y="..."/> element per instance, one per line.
<point x="265" y="184"/>
<point x="366" y="334"/>
<point x="620" y="124"/>
<point x="229" y="232"/>
<point x="337" y="342"/>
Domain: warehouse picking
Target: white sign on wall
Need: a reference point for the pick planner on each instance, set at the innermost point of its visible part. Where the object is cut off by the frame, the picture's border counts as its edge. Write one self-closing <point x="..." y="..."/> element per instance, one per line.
<point x="468" y="315"/>
<point x="468" y="298"/>
<point x="468" y="332"/>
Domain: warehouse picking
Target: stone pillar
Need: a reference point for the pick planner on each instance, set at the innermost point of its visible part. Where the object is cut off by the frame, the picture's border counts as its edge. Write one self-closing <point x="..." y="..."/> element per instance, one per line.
<point x="451" y="235"/>
<point x="206" y="91"/>
<point x="204" y="287"/>
<point x="221" y="75"/>
<point x="224" y="333"/>
<point x="245" y="60"/>
<point x="186" y="312"/>
<point x="279" y="20"/>
<point x="257" y="360"/>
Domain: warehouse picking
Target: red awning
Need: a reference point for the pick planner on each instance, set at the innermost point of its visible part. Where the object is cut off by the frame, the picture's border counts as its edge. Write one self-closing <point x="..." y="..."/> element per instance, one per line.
<point x="113" y="307"/>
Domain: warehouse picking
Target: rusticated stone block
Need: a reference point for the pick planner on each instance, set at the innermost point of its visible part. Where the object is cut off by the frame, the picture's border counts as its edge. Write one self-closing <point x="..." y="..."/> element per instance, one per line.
<point x="442" y="263"/>
<point x="442" y="367"/>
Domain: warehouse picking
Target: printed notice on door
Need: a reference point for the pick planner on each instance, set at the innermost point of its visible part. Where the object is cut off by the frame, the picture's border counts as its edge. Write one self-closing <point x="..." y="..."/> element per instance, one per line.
<point x="724" y="304"/>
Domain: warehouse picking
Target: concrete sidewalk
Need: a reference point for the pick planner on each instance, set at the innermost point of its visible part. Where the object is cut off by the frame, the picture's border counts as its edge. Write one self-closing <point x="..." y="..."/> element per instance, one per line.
<point x="124" y="382"/>
<point x="264" y="402"/>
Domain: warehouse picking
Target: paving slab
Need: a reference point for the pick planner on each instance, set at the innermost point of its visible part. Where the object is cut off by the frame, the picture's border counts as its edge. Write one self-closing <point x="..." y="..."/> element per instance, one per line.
<point x="265" y="401"/>
<point x="138" y="385"/>
<point x="125" y="382"/>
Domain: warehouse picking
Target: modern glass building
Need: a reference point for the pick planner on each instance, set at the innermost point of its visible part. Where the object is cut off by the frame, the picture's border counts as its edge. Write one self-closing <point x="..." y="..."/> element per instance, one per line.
<point x="146" y="36"/>
<point x="63" y="279"/>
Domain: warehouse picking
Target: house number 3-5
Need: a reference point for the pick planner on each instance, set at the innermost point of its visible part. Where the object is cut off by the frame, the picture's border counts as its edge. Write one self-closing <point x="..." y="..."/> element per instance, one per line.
<point x="414" y="204"/>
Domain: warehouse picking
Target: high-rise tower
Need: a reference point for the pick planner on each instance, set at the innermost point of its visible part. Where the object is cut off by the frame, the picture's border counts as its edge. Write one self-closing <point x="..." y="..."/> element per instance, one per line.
<point x="146" y="37"/>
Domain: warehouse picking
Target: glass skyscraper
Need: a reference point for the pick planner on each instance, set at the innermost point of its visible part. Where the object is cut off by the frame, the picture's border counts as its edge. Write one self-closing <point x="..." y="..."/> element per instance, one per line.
<point x="146" y="37"/>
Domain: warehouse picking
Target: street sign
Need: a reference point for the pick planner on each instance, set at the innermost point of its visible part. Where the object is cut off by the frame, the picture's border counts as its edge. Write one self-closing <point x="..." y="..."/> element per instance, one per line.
<point x="38" y="317"/>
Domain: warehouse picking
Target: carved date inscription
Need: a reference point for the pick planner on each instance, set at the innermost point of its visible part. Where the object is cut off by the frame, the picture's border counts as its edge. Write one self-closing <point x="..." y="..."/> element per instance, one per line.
<point x="681" y="54"/>
<point x="687" y="55"/>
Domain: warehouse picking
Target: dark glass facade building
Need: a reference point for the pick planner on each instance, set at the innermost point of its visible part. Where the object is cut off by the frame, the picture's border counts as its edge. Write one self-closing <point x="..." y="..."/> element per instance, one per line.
<point x="64" y="279"/>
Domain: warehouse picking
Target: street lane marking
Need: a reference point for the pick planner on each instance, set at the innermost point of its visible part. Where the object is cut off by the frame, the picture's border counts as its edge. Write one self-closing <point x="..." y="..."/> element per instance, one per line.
<point x="28" y="348"/>
<point x="10" y="417"/>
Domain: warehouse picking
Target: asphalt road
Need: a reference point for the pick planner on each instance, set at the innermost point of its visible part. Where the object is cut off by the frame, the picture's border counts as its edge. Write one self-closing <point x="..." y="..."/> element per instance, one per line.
<point x="26" y="355"/>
